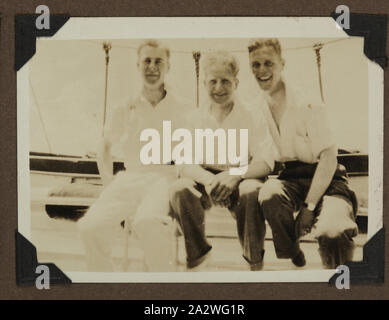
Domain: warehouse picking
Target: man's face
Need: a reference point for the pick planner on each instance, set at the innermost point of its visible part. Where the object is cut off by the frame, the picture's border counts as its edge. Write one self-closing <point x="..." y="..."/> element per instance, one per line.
<point x="153" y="64"/>
<point x="267" y="67"/>
<point x="220" y="85"/>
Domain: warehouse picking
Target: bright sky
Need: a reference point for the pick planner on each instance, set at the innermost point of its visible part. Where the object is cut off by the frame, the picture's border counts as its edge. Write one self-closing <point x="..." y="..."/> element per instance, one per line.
<point x="67" y="81"/>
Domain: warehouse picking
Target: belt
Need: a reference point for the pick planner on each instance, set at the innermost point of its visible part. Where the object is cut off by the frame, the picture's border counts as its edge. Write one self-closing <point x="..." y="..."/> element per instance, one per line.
<point x="298" y="169"/>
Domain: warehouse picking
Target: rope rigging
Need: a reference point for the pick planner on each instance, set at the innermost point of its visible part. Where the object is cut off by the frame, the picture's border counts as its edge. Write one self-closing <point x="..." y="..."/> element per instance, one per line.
<point x="40" y="117"/>
<point x="196" y="57"/>
<point x="197" y="54"/>
<point x="317" y="47"/>
<point x="106" y="47"/>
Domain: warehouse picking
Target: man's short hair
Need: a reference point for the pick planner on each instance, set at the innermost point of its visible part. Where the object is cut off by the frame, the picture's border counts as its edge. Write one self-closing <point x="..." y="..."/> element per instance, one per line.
<point x="223" y="59"/>
<point x="255" y="44"/>
<point x="155" y="44"/>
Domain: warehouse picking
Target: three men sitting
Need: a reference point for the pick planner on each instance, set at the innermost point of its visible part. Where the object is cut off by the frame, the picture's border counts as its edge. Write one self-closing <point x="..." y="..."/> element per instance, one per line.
<point x="278" y="128"/>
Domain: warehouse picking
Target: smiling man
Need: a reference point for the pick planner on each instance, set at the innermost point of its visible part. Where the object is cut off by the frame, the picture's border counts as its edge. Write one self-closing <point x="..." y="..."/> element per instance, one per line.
<point x="312" y="183"/>
<point x="138" y="194"/>
<point x="214" y="183"/>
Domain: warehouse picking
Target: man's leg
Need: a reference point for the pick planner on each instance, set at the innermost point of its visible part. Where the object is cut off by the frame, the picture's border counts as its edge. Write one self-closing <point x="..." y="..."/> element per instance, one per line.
<point x="155" y="229"/>
<point x="188" y="208"/>
<point x="279" y="199"/>
<point x="250" y="223"/>
<point x="334" y="230"/>
<point x="118" y="200"/>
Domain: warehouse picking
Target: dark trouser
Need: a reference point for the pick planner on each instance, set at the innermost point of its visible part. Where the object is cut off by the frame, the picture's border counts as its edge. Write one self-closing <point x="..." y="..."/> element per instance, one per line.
<point x="281" y="198"/>
<point x="189" y="210"/>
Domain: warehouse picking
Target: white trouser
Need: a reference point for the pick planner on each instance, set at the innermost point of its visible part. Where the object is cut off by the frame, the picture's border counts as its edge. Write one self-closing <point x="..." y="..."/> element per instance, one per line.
<point x="140" y="197"/>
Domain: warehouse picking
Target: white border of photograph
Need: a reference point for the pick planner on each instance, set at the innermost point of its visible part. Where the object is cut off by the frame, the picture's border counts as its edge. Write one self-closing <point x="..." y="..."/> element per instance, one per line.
<point x="205" y="27"/>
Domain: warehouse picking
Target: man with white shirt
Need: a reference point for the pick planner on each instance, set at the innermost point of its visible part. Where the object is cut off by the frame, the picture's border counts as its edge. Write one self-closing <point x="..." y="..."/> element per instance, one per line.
<point x="214" y="183"/>
<point x="312" y="183"/>
<point x="140" y="192"/>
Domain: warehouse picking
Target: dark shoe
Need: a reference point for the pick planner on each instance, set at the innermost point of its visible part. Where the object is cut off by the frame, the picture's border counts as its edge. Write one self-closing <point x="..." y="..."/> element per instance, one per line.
<point x="299" y="259"/>
<point x="200" y="263"/>
<point x="335" y="251"/>
<point x="256" y="266"/>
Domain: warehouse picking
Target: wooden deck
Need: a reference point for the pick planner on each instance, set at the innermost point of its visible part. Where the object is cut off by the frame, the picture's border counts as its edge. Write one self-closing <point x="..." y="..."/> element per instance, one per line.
<point x="57" y="241"/>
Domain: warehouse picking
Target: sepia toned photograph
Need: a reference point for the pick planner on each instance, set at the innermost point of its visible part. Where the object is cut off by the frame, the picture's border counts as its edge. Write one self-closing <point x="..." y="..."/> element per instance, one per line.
<point x="200" y="150"/>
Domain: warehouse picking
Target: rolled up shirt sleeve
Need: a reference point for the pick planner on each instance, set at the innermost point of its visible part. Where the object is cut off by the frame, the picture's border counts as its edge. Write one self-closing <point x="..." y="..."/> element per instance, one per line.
<point x="318" y="129"/>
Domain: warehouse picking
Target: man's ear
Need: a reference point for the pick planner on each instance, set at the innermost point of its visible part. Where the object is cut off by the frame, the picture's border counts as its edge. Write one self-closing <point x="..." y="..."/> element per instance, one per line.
<point x="236" y="82"/>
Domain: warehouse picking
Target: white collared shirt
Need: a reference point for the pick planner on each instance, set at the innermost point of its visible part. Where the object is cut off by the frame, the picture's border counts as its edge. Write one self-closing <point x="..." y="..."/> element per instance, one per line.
<point x="303" y="132"/>
<point x="260" y="143"/>
<point x="130" y="119"/>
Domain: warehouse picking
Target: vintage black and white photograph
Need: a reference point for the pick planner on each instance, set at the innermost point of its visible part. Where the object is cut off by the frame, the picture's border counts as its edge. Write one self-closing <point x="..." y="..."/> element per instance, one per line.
<point x="200" y="149"/>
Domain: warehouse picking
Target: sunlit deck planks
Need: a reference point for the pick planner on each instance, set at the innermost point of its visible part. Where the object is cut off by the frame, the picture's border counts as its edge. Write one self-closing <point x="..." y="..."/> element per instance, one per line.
<point x="57" y="241"/>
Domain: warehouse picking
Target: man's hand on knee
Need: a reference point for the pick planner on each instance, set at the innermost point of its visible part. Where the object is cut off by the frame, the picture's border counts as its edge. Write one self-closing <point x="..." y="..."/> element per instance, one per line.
<point x="224" y="185"/>
<point x="304" y="222"/>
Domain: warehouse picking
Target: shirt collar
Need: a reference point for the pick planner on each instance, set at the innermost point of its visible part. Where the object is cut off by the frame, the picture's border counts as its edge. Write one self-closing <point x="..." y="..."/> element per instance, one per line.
<point x="237" y="105"/>
<point x="141" y="98"/>
<point x="289" y="94"/>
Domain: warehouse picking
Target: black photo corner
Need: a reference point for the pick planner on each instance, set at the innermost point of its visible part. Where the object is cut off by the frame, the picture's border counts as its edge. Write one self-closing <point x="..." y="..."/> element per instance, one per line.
<point x="27" y="263"/>
<point x="372" y="27"/>
<point x="26" y="34"/>
<point x="25" y="47"/>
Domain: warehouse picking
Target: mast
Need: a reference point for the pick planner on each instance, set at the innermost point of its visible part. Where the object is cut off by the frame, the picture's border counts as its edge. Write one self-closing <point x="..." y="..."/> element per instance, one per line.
<point x="106" y="47"/>
<point x="196" y="57"/>
<point x="317" y="47"/>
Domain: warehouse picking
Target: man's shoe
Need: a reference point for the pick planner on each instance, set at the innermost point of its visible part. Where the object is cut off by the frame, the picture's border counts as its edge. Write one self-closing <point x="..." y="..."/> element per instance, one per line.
<point x="257" y="266"/>
<point x="336" y="251"/>
<point x="299" y="259"/>
<point x="201" y="263"/>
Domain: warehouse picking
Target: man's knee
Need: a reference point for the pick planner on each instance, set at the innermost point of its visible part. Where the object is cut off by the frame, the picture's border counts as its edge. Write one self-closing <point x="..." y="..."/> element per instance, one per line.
<point x="250" y="187"/>
<point x="335" y="219"/>
<point x="272" y="189"/>
<point x="181" y="188"/>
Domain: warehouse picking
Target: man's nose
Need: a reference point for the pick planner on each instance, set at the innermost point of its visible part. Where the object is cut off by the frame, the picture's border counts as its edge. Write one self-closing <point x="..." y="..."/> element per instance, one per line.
<point x="218" y="86"/>
<point x="153" y="65"/>
<point x="262" y="69"/>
